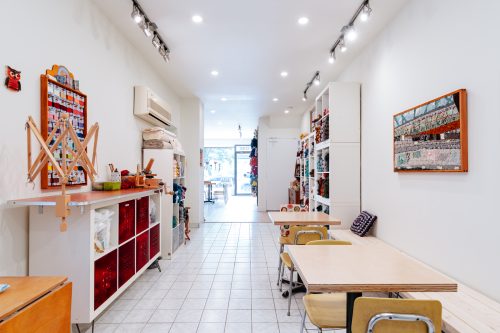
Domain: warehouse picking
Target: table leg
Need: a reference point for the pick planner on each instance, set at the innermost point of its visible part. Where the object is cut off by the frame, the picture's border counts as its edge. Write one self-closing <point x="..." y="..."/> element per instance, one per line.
<point x="351" y="297"/>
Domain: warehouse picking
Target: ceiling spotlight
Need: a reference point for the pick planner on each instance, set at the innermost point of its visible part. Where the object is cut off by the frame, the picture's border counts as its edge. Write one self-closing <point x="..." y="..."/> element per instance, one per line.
<point x="331" y="59"/>
<point x="275" y="99"/>
<point x="212" y="111"/>
<point x="197" y="19"/>
<point x="317" y="81"/>
<point x="342" y="45"/>
<point x="286" y="111"/>
<point x="156" y="41"/>
<point x="365" y="13"/>
<point x="164" y="52"/>
<point x="303" y="20"/>
<point x="214" y="73"/>
<point x="136" y="15"/>
<point x="350" y="33"/>
<point x="224" y="99"/>
<point x="284" y="74"/>
<point x="148" y="28"/>
<point x="304" y="98"/>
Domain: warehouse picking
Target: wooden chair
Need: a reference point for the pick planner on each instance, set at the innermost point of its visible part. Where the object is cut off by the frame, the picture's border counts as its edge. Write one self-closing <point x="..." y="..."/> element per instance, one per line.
<point x="298" y="235"/>
<point x="384" y="315"/>
<point x="325" y="311"/>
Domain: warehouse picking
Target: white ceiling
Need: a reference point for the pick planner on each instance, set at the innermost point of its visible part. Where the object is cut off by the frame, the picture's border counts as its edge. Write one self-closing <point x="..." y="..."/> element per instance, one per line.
<point x="249" y="43"/>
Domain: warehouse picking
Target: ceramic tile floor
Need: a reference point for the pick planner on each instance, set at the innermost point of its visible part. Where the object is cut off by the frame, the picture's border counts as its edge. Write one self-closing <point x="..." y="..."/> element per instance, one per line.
<point x="238" y="209"/>
<point x="224" y="280"/>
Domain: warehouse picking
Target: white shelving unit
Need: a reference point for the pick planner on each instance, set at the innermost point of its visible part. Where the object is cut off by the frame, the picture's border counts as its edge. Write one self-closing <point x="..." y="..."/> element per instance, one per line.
<point x="170" y="166"/>
<point x="306" y="170"/>
<point x="337" y="151"/>
<point x="98" y="278"/>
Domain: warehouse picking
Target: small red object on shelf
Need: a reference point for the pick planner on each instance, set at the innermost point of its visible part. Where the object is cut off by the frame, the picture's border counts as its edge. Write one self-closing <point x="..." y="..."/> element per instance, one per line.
<point x="105" y="279"/>
<point x="126" y="262"/>
<point x="142" y="214"/>
<point x="142" y="250"/>
<point x="126" y="218"/>
<point x="154" y="241"/>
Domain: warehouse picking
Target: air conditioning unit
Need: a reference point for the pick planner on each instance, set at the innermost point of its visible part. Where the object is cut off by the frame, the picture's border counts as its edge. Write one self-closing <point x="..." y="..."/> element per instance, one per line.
<point x="151" y="108"/>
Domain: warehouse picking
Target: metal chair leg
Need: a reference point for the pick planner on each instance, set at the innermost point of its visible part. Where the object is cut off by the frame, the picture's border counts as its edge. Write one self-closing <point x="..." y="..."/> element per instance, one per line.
<point x="303" y="322"/>
<point x="280" y="263"/>
<point x="280" y="282"/>
<point x="290" y="295"/>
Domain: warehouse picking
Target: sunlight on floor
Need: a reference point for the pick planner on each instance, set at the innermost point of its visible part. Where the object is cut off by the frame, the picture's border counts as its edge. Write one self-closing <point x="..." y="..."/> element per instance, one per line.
<point x="241" y="208"/>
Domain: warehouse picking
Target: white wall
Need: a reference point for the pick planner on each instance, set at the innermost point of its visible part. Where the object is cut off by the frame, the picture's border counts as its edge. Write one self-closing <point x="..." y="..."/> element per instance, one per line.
<point x="37" y="34"/>
<point x="273" y="127"/>
<point x="191" y="137"/>
<point x="447" y="220"/>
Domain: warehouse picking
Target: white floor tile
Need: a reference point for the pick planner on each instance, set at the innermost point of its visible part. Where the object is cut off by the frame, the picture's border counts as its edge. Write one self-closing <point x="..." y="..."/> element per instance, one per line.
<point x="112" y="317"/>
<point x="217" y="304"/>
<point x="239" y="316"/>
<point x="211" y="328"/>
<point x="138" y="316"/>
<point x="267" y="328"/>
<point x="240" y="304"/>
<point x="157" y="328"/>
<point x="163" y="316"/>
<point x="239" y="328"/>
<point x="171" y="303"/>
<point x="214" y="316"/>
<point x="264" y="316"/>
<point x="184" y="328"/>
<point x="188" y="316"/>
<point x="263" y="304"/>
<point x="194" y="304"/>
<point x="130" y="328"/>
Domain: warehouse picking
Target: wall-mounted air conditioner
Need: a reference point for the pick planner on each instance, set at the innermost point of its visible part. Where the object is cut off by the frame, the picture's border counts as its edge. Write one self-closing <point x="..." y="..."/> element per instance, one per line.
<point x="151" y="108"/>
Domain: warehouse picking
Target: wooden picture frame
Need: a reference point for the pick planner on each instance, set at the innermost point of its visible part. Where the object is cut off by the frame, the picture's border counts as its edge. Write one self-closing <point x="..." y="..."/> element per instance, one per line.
<point x="48" y="110"/>
<point x="432" y="136"/>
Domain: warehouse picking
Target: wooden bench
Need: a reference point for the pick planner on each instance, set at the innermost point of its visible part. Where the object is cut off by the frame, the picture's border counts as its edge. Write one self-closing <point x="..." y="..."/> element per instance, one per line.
<point x="464" y="311"/>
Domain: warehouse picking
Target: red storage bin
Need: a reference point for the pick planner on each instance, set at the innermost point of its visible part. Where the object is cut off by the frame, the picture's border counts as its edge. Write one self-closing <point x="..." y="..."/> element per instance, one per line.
<point x="105" y="278"/>
<point x="126" y="227"/>
<point x="126" y="262"/>
<point x="154" y="241"/>
<point x="142" y="221"/>
<point x="142" y="250"/>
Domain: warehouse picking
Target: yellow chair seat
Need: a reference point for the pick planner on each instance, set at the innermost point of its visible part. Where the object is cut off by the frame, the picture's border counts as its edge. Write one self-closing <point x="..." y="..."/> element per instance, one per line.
<point x="326" y="310"/>
<point x="285" y="257"/>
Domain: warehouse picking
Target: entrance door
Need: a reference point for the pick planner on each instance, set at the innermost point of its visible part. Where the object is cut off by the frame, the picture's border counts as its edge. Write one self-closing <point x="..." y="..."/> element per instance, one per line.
<point x="242" y="170"/>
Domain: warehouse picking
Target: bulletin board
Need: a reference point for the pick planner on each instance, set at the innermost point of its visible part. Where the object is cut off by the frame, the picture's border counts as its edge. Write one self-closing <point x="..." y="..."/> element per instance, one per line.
<point x="58" y="97"/>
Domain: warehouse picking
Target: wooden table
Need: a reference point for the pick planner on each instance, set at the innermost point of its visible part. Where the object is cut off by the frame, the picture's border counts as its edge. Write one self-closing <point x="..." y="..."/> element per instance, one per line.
<point x="355" y="269"/>
<point x="302" y="218"/>
<point x="41" y="304"/>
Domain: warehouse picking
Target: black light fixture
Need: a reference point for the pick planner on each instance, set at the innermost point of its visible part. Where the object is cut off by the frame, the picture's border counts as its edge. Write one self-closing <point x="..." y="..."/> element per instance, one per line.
<point x="348" y="32"/>
<point x="150" y="29"/>
<point x="316" y="80"/>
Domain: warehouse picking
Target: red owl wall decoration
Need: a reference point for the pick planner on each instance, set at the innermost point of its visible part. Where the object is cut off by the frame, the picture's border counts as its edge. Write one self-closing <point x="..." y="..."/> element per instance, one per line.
<point x="13" y="79"/>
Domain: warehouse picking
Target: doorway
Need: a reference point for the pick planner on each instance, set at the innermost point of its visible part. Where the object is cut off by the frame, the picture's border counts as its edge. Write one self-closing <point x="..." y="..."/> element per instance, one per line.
<point x="242" y="184"/>
<point x="227" y="171"/>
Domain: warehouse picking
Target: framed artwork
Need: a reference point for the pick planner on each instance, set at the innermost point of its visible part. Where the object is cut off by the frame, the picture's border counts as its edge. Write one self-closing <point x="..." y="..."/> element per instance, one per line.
<point x="432" y="137"/>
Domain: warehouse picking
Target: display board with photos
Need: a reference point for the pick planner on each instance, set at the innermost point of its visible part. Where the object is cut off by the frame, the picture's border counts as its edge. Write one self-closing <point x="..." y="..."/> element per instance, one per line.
<point x="60" y="95"/>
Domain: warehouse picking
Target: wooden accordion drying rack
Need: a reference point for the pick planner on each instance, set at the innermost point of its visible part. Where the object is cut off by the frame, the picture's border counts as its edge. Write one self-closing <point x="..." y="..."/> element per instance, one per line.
<point x="64" y="131"/>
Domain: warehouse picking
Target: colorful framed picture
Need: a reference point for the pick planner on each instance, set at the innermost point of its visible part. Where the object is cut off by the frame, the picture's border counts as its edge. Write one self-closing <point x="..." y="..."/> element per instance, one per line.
<point x="432" y="137"/>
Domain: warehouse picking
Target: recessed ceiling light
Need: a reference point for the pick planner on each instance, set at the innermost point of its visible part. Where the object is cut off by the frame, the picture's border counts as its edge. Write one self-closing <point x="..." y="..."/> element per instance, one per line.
<point x="214" y="73"/>
<point x="287" y="111"/>
<point x="212" y="111"/>
<point x="275" y="99"/>
<point x="303" y="20"/>
<point x="223" y="99"/>
<point x="197" y="19"/>
<point x="284" y="74"/>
